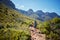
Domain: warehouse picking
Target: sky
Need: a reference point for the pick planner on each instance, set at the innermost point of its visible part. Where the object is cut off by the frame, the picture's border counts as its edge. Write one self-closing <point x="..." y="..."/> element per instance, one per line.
<point x="44" y="5"/>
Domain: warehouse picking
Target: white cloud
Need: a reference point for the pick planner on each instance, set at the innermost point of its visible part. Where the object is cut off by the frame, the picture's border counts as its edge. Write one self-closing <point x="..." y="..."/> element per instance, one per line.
<point x="19" y="6"/>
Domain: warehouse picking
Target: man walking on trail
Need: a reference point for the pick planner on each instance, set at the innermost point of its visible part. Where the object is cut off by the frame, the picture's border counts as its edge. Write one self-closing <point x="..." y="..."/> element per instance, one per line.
<point x="35" y="24"/>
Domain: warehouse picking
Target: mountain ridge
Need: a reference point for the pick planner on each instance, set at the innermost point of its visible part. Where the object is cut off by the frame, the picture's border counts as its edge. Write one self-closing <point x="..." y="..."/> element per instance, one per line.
<point x="38" y="15"/>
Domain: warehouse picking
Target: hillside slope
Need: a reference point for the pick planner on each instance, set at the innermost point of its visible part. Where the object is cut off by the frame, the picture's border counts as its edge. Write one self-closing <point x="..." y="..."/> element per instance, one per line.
<point x="8" y="3"/>
<point x="13" y="25"/>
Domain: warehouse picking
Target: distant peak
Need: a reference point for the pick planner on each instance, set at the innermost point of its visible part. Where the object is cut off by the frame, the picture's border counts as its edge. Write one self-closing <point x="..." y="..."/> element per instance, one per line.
<point x="39" y="11"/>
<point x="30" y="10"/>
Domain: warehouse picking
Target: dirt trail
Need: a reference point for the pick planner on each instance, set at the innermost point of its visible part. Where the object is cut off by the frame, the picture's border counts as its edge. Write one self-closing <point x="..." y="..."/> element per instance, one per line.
<point x="36" y="34"/>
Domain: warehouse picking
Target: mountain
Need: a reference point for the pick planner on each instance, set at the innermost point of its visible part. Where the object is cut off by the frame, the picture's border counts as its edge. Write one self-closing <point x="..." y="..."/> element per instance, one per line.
<point x="13" y="24"/>
<point x="30" y="11"/>
<point x="8" y="3"/>
<point x="53" y="14"/>
<point x="39" y="14"/>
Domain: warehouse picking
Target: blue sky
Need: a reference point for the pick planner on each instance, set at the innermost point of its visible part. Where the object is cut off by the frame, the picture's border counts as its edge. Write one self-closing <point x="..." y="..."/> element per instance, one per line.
<point x="44" y="5"/>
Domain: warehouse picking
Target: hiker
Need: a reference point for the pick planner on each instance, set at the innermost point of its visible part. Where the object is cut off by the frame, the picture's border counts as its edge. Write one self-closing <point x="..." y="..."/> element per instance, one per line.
<point x="35" y="24"/>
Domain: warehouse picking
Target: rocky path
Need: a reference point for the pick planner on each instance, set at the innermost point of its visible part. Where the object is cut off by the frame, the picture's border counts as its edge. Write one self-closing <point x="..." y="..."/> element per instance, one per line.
<point x="36" y="34"/>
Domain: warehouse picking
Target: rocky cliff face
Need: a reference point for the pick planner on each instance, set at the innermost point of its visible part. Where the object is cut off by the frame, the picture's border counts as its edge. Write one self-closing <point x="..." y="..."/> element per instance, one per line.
<point x="8" y="3"/>
<point x="40" y="15"/>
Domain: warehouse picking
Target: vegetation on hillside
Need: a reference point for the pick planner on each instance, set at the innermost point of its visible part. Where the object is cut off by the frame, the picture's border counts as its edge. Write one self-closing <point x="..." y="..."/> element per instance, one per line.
<point x="51" y="28"/>
<point x="13" y="25"/>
